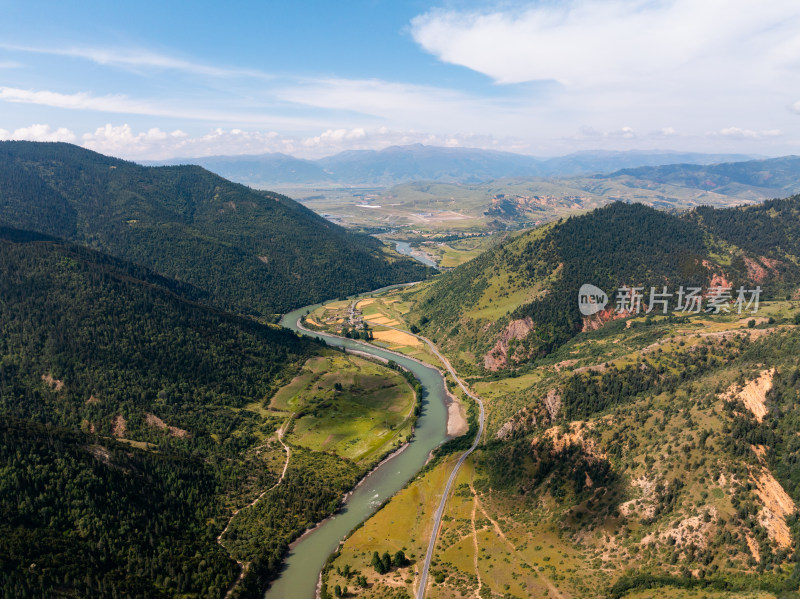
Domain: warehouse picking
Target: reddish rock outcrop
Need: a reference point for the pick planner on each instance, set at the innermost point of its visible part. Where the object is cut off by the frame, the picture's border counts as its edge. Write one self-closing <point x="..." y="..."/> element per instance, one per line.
<point x="596" y="321"/>
<point x="761" y="269"/>
<point x="497" y="357"/>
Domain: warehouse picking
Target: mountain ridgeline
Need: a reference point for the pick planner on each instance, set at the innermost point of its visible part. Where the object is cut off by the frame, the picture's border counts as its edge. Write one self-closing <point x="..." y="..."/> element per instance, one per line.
<point x="775" y="176"/>
<point x="244" y="250"/>
<point x="519" y="300"/>
<point x="415" y="162"/>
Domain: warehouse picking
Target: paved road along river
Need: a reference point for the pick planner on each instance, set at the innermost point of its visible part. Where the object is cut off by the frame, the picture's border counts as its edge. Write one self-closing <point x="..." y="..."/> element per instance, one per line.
<point x="307" y="556"/>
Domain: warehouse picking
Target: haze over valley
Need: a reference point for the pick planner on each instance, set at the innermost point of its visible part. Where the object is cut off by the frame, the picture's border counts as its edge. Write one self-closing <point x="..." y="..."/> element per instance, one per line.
<point x="421" y="300"/>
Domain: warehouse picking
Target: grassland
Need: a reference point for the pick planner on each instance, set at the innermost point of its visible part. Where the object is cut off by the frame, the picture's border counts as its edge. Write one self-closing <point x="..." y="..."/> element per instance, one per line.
<point x="476" y="552"/>
<point x="347" y="405"/>
<point x="402" y="524"/>
<point x="449" y="254"/>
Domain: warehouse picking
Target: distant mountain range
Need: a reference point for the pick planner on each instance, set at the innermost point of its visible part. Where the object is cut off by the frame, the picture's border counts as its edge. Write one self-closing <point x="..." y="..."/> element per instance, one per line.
<point x="398" y="164"/>
<point x="757" y="178"/>
<point x="514" y="202"/>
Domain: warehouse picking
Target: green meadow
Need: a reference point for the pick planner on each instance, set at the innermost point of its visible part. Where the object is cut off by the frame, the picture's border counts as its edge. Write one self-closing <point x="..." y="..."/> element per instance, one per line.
<point x="349" y="406"/>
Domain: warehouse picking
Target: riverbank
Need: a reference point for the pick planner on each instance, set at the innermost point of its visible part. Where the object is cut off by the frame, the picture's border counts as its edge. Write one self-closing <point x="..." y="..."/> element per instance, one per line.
<point x="308" y="554"/>
<point x="457" y="424"/>
<point x="404" y="247"/>
<point x="449" y="401"/>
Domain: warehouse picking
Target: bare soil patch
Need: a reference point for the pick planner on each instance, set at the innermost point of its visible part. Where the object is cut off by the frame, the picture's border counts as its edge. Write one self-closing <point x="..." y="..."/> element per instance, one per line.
<point x="156" y="422"/>
<point x="119" y="426"/>
<point x="456" y="419"/>
<point x="53" y="383"/>
<point x="754" y="394"/>
<point x="776" y="506"/>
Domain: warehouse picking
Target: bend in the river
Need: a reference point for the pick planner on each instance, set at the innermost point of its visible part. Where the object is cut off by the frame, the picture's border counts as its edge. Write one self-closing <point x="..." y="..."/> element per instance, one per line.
<point x="307" y="556"/>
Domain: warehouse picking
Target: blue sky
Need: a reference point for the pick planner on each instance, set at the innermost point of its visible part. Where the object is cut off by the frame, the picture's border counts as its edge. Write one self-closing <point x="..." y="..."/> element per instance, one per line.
<point x="164" y="79"/>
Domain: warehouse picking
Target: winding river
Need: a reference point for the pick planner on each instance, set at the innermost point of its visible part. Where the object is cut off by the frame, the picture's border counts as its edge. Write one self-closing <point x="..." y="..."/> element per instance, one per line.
<point x="307" y="556"/>
<point x="403" y="247"/>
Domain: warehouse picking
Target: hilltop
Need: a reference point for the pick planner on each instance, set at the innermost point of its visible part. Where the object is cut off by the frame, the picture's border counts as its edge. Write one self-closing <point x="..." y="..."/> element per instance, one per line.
<point x="518" y="301"/>
<point x="246" y="250"/>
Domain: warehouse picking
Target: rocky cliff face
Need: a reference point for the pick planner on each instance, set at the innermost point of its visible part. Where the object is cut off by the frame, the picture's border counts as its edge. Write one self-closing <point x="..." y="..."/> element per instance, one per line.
<point x="761" y="269"/>
<point x="596" y="321"/>
<point x="497" y="357"/>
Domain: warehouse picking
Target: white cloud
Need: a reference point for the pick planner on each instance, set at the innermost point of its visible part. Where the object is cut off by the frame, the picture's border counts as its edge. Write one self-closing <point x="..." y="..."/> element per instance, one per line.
<point x="159" y="144"/>
<point x="626" y="132"/>
<point x="122" y="141"/>
<point x="408" y="106"/>
<point x="156" y="144"/>
<point x="79" y="101"/>
<point x="657" y="73"/>
<point x="39" y="132"/>
<point x="737" y="132"/>
<point x="632" y="63"/>
<point x="136" y="58"/>
<point x="122" y="104"/>
<point x="622" y="133"/>
<point x="335" y="136"/>
<point x="591" y="42"/>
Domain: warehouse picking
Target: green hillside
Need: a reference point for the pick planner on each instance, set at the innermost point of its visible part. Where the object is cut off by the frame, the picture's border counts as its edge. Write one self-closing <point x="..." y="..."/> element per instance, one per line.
<point x="651" y="455"/>
<point x="248" y="250"/>
<point x="655" y="460"/>
<point x="133" y="421"/>
<point x="97" y="358"/>
<point x="533" y="279"/>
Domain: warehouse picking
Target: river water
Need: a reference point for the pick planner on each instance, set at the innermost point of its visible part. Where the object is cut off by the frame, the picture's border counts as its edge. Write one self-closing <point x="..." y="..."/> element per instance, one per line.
<point x="307" y="556"/>
<point x="403" y="247"/>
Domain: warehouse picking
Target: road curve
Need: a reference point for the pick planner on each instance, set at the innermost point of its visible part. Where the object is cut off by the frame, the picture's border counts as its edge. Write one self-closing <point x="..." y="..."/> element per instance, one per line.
<point x="437" y="522"/>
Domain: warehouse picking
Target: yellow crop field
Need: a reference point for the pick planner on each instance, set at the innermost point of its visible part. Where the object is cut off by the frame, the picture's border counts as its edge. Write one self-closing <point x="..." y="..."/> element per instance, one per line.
<point x="397" y="337"/>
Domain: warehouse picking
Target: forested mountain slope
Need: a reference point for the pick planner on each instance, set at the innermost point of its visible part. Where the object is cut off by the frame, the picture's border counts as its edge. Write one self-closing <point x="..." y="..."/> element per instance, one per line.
<point x="520" y="300"/>
<point x="249" y="250"/>
<point x="770" y="229"/>
<point x="123" y="428"/>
